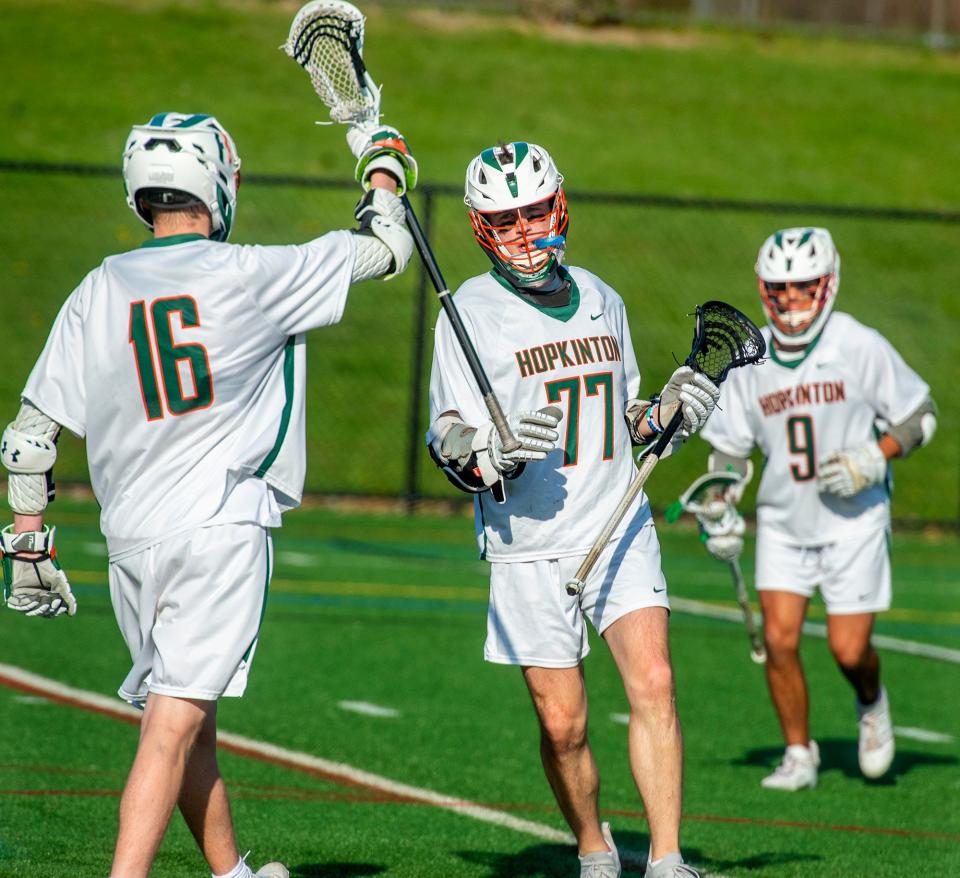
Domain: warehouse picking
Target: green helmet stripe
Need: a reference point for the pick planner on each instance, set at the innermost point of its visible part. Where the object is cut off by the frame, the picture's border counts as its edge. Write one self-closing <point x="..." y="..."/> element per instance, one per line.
<point x="520" y="151"/>
<point x="807" y="235"/>
<point x="512" y="184"/>
<point x="488" y="158"/>
<point x="190" y="121"/>
<point x="778" y="240"/>
<point x="158" y="119"/>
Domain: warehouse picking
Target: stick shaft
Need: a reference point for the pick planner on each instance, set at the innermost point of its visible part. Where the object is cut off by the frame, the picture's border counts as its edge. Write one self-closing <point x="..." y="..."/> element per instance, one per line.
<point x="756" y="642"/>
<point x="507" y="439"/>
<point x="650" y="461"/>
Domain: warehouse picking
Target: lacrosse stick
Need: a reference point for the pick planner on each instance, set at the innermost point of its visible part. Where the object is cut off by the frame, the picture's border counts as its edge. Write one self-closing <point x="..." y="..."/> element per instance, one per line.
<point x="707" y="496"/>
<point x="326" y="40"/>
<point x="724" y="339"/>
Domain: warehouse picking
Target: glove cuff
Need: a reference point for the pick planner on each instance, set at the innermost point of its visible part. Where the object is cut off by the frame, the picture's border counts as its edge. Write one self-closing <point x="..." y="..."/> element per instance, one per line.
<point x="12" y="543"/>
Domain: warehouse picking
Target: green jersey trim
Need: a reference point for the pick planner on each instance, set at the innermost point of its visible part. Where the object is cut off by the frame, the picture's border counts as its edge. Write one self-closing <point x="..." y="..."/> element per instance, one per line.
<point x="562" y="314"/>
<point x="287" y="409"/>
<point x="792" y="364"/>
<point x="170" y="240"/>
<point x="263" y="606"/>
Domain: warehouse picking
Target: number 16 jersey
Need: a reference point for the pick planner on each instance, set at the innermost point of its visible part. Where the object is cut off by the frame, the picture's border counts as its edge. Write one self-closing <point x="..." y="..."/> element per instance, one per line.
<point x="183" y="364"/>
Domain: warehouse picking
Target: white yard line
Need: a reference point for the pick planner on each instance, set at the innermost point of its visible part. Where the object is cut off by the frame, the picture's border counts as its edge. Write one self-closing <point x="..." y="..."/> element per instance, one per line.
<point x="892" y="644"/>
<point x="26" y="681"/>
<point x="922" y="735"/>
<point x="367" y="709"/>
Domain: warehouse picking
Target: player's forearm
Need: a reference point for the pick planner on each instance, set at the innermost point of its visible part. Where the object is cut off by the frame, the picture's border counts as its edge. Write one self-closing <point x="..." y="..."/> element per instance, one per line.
<point x="23" y="523"/>
<point x="889" y="446"/>
<point x="383" y="180"/>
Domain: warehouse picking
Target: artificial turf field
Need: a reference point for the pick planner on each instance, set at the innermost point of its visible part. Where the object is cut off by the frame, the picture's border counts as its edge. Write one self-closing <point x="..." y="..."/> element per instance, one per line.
<point x="389" y="611"/>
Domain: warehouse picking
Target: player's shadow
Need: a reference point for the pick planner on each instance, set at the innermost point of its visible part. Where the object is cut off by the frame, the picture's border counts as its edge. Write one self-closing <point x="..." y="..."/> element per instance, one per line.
<point x="336" y="870"/>
<point x="559" y="861"/>
<point x="840" y="754"/>
<point x="538" y="493"/>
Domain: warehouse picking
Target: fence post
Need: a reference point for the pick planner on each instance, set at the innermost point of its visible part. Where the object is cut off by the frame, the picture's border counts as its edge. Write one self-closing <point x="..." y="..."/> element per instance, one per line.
<point x="415" y="447"/>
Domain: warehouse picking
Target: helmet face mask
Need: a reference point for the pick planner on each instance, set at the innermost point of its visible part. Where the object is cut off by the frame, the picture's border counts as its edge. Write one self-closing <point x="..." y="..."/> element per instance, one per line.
<point x="177" y="160"/>
<point x="518" y="210"/>
<point x="798" y="273"/>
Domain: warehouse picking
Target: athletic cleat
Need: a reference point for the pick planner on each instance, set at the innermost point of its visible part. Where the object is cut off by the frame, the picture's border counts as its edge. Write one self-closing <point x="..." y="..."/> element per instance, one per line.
<point x="272" y="870"/>
<point x="601" y="864"/>
<point x="798" y="770"/>
<point x="670" y="866"/>
<point x="876" y="745"/>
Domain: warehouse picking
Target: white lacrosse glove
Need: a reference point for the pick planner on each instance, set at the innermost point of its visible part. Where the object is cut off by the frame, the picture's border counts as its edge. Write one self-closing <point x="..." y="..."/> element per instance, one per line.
<point x="694" y="393"/>
<point x="846" y="473"/>
<point x="536" y="432"/>
<point x="723" y="537"/>
<point x="34" y="585"/>
<point x="381" y="148"/>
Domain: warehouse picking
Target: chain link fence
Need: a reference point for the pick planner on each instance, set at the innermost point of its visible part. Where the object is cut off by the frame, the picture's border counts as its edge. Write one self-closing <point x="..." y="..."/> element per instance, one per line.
<point x="366" y="394"/>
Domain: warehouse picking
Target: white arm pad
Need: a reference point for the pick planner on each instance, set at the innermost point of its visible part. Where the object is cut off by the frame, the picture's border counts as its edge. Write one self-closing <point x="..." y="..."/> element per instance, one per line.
<point x="28" y="451"/>
<point x="383" y="218"/>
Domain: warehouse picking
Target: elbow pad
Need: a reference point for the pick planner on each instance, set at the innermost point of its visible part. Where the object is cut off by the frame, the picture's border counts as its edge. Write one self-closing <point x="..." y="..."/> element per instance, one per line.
<point x="382" y="217"/>
<point x="28" y="450"/>
<point x="917" y="430"/>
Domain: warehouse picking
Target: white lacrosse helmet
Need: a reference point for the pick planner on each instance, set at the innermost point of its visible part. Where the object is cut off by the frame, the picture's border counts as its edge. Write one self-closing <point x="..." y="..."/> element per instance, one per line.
<point x="509" y="187"/>
<point x="179" y="159"/>
<point x="801" y="256"/>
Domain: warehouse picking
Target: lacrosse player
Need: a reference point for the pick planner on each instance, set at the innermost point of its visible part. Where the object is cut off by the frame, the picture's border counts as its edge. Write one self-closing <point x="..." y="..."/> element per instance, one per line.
<point x="555" y="343"/>
<point x="183" y="364"/>
<point x="829" y="410"/>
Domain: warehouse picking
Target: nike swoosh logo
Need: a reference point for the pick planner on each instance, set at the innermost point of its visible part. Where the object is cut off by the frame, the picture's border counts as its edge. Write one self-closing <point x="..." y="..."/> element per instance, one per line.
<point x="596" y="316"/>
<point x="658" y="590"/>
<point x="823" y="365"/>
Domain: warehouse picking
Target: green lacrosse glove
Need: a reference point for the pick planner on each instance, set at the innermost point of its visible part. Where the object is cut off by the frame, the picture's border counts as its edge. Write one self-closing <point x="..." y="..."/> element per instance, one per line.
<point x="381" y="148"/>
<point x="34" y="585"/>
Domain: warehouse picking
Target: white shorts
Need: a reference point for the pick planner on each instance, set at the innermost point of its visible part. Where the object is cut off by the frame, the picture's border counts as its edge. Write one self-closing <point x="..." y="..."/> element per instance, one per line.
<point x="531" y="620"/>
<point x="853" y="575"/>
<point x="190" y="609"/>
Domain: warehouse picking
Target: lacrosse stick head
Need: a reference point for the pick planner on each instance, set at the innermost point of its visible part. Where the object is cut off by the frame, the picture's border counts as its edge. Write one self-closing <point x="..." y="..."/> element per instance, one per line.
<point x="706" y="496"/>
<point x="326" y="40"/>
<point x="724" y="339"/>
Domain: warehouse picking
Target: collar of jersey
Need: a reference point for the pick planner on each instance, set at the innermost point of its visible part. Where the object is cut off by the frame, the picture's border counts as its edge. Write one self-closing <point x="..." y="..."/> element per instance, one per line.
<point x="562" y="314"/>
<point x="792" y="364"/>
<point x="170" y="240"/>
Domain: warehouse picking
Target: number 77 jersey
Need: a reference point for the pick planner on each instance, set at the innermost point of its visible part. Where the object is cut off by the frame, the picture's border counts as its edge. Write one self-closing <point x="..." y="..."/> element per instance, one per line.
<point x="848" y="387"/>
<point x="578" y="357"/>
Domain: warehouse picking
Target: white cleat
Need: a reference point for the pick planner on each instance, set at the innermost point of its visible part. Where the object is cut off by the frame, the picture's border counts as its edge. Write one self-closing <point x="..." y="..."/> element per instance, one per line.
<point x="876" y="745"/>
<point x="798" y="771"/>
<point x="671" y="866"/>
<point x="272" y="870"/>
<point x="601" y="864"/>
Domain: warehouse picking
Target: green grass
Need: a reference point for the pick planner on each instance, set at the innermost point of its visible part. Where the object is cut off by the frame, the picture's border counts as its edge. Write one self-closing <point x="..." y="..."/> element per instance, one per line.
<point x="391" y="610"/>
<point x="693" y="112"/>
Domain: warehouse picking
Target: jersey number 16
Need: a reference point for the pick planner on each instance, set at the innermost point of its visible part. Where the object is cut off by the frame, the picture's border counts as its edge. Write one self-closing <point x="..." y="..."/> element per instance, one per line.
<point x="151" y="336"/>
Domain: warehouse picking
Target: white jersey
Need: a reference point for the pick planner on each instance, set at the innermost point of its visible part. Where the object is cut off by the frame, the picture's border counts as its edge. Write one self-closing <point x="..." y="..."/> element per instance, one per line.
<point x="851" y="384"/>
<point x="578" y="357"/>
<point x="183" y="365"/>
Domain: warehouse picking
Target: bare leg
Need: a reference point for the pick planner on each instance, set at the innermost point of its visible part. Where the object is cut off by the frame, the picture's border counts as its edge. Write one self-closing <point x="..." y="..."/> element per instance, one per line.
<point x="638" y="642"/>
<point x="783" y="614"/>
<point x="849" y="638"/>
<point x="560" y="700"/>
<point x="204" y="803"/>
<point x="167" y="734"/>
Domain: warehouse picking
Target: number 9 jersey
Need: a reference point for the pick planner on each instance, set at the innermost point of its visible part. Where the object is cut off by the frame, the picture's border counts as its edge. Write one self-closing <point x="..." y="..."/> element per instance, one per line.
<point x="183" y="364"/>
<point x="848" y="387"/>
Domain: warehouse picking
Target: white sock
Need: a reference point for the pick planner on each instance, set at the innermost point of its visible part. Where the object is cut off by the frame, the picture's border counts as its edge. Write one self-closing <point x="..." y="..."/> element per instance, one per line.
<point x="241" y="870"/>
